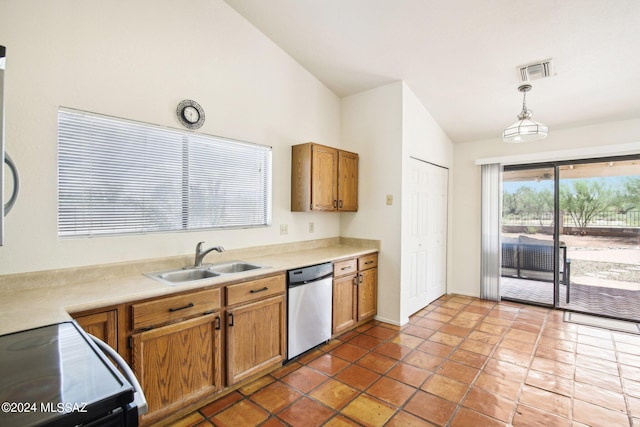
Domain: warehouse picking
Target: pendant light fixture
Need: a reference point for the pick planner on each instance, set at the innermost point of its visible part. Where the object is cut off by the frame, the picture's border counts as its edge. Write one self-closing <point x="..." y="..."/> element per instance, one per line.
<point x="524" y="129"/>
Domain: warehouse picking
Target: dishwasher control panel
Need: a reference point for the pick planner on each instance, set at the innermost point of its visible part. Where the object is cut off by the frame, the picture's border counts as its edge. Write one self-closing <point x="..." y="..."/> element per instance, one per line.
<point x="309" y="274"/>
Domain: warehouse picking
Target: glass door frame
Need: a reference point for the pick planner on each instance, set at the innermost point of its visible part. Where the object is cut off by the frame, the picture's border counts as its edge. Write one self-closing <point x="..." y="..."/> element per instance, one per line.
<point x="556" y="229"/>
<point x="556" y="212"/>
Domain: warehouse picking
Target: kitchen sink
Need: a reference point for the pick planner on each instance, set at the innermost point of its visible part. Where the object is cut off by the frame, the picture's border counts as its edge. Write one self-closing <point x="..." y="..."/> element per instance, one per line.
<point x="184" y="275"/>
<point x="187" y="275"/>
<point x="234" y="267"/>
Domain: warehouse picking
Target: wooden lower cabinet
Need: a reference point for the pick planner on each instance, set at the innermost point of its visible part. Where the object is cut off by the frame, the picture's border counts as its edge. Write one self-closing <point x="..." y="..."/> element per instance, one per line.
<point x="355" y="292"/>
<point x="367" y="294"/>
<point x="177" y="364"/>
<point x="226" y="334"/>
<point x="102" y="325"/>
<point x="367" y="286"/>
<point x="256" y="337"/>
<point x="344" y="304"/>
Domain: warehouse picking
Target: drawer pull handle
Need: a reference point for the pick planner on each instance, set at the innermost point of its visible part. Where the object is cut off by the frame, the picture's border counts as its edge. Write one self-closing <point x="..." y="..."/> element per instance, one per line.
<point x="171" y="310"/>
<point x="254" y="291"/>
<point x="348" y="267"/>
<point x="217" y="323"/>
<point x="230" y="319"/>
<point x="368" y="262"/>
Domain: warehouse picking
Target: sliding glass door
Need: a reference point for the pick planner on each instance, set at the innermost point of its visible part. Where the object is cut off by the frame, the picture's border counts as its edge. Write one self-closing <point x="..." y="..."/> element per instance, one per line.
<point x="600" y="222"/>
<point x="528" y="244"/>
<point x="571" y="236"/>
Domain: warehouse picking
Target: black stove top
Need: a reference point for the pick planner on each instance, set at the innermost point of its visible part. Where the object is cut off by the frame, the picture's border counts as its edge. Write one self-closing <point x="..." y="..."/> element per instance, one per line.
<point x="55" y="376"/>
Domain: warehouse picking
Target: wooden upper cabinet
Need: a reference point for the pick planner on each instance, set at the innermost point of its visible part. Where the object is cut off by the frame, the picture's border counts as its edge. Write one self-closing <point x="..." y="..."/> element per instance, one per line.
<point x="323" y="179"/>
<point x="347" y="181"/>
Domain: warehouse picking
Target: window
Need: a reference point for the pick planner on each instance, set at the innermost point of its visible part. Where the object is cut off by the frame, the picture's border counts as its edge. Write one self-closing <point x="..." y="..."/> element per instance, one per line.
<point x="117" y="176"/>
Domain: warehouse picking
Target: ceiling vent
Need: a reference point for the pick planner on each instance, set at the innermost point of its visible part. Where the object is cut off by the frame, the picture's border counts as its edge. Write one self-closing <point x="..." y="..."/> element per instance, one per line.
<point x="536" y="70"/>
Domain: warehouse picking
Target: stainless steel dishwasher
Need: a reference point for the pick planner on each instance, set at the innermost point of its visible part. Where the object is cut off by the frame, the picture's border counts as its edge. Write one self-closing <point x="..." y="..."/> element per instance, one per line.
<point x="309" y="302"/>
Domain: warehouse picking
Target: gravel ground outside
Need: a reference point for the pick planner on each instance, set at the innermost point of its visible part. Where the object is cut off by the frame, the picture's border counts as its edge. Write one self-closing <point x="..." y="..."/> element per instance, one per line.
<point x="605" y="270"/>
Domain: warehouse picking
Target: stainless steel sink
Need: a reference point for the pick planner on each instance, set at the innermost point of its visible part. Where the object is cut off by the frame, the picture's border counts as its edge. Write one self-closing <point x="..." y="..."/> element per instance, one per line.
<point x="234" y="267"/>
<point x="187" y="275"/>
<point x="184" y="275"/>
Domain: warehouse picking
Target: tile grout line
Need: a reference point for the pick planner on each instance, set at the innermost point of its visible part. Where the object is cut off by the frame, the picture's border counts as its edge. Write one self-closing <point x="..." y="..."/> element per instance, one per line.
<point x="623" y="385"/>
<point x="549" y="323"/>
<point x="481" y="370"/>
<point x="338" y="412"/>
<point x="354" y="362"/>
<point x="529" y="369"/>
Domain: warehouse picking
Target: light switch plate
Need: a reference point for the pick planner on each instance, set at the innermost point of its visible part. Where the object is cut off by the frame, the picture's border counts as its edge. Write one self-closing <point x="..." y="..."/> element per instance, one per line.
<point x="389" y="199"/>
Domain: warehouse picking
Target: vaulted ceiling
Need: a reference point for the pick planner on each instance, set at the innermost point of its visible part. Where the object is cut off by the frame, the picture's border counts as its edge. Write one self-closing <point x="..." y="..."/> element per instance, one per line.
<point x="460" y="57"/>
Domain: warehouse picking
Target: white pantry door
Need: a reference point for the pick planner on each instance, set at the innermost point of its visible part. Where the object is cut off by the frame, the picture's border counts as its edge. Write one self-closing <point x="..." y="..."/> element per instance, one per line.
<point x="428" y="190"/>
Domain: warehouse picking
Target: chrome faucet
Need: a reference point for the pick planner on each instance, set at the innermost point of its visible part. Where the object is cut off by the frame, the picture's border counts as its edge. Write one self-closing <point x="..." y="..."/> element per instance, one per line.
<point x="200" y="254"/>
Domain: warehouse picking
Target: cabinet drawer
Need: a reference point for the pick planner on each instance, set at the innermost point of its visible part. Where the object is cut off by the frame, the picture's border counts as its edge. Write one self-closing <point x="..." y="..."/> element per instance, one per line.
<point x="341" y="268"/>
<point x="165" y="310"/>
<point x="367" y="261"/>
<point x="255" y="289"/>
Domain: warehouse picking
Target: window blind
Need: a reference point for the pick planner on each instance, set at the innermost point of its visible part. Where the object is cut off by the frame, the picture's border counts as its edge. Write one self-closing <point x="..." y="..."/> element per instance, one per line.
<point x="491" y="217"/>
<point x="118" y="176"/>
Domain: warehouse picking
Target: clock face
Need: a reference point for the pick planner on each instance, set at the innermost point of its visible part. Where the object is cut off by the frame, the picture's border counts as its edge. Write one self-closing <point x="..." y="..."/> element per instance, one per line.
<point x="190" y="114"/>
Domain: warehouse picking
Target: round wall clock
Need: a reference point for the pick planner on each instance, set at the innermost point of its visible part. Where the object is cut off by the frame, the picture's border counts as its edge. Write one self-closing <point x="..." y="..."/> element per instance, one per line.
<point x="190" y="114"/>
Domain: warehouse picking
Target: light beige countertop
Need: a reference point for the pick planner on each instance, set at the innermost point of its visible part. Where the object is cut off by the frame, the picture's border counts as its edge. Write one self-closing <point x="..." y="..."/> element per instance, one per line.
<point x="36" y="299"/>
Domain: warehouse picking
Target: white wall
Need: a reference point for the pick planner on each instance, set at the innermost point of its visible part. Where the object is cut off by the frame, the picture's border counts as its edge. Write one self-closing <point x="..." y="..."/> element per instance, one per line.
<point x="386" y="125"/>
<point x="137" y="60"/>
<point x="424" y="139"/>
<point x="372" y="127"/>
<point x="601" y="138"/>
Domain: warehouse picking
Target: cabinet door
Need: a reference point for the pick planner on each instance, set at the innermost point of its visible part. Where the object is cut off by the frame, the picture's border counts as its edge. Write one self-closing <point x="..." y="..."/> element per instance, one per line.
<point x="347" y="181"/>
<point x="102" y="325"/>
<point x="344" y="303"/>
<point x="178" y="363"/>
<point x="324" y="178"/>
<point x="367" y="293"/>
<point x="256" y="337"/>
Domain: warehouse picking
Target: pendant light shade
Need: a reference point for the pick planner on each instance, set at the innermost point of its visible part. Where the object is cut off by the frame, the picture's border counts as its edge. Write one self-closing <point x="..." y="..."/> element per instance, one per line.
<point x="524" y="129"/>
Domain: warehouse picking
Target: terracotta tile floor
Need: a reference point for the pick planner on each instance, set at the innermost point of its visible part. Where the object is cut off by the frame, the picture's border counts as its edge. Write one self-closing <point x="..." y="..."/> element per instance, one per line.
<point x="459" y="362"/>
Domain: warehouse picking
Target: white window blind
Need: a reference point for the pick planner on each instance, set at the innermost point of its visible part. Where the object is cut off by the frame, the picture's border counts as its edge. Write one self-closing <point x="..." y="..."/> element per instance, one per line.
<point x="117" y="176"/>
<point x="491" y="217"/>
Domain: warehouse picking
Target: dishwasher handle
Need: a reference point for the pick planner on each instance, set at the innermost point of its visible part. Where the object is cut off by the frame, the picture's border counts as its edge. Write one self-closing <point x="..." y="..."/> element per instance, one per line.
<point x="293" y="284"/>
<point x="138" y="395"/>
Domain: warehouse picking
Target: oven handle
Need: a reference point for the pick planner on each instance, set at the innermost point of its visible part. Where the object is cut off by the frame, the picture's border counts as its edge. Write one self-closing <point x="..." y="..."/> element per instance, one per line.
<point x="138" y="396"/>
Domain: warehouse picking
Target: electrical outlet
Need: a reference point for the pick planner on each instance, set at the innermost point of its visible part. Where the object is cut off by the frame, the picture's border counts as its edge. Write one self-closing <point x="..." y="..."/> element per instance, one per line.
<point x="284" y="229"/>
<point x="311" y="227"/>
